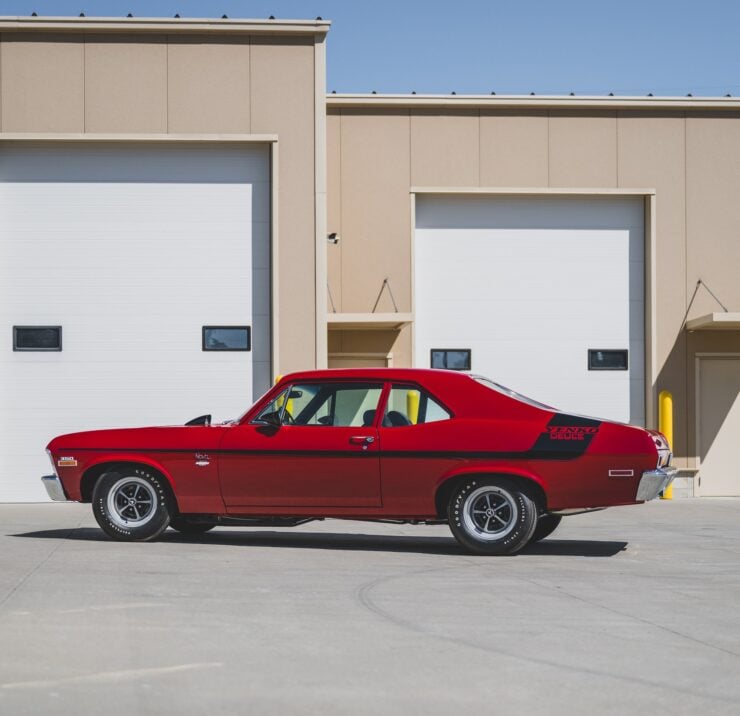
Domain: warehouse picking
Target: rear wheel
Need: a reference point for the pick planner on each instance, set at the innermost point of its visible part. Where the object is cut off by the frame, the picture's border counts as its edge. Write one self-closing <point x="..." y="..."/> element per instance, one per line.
<point x="546" y="525"/>
<point x="189" y="527"/>
<point x="131" y="503"/>
<point x="492" y="516"/>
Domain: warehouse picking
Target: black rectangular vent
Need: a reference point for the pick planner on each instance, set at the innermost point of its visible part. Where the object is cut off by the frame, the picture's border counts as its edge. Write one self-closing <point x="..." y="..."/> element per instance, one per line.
<point x="227" y="338"/>
<point x="599" y="359"/>
<point x="451" y="358"/>
<point x="37" y="338"/>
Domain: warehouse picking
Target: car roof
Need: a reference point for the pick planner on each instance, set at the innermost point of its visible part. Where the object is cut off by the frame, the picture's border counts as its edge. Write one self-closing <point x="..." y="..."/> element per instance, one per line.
<point x="458" y="391"/>
<point x="387" y="374"/>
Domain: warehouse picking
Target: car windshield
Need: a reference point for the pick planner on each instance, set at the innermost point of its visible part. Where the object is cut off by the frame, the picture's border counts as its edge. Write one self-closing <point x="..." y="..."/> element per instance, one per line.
<point x="511" y="393"/>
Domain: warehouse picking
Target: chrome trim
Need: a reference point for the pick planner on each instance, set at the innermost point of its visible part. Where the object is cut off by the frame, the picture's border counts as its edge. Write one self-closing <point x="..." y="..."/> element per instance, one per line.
<point x="51" y="460"/>
<point x="54" y="488"/>
<point x="653" y="482"/>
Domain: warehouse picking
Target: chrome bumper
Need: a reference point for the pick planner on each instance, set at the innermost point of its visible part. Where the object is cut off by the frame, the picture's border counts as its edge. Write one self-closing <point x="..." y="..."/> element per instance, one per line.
<point x="54" y="487"/>
<point x="653" y="482"/>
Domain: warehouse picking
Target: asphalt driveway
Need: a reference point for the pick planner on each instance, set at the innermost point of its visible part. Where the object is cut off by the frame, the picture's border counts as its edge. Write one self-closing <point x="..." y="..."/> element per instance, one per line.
<point x="631" y="610"/>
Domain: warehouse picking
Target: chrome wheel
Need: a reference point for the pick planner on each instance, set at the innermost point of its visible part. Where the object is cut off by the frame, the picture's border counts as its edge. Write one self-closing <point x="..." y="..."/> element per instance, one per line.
<point x="132" y="502"/>
<point x="490" y="513"/>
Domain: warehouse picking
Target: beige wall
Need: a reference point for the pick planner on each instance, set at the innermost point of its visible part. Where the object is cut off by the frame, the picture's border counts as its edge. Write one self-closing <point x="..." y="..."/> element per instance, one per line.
<point x="691" y="159"/>
<point x="152" y="78"/>
<point x="156" y="82"/>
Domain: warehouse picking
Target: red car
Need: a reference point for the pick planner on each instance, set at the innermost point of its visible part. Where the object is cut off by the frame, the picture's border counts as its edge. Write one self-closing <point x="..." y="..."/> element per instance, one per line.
<point x="398" y="445"/>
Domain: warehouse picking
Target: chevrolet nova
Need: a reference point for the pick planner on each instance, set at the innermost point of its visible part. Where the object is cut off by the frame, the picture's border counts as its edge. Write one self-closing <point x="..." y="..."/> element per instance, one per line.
<point x="397" y="445"/>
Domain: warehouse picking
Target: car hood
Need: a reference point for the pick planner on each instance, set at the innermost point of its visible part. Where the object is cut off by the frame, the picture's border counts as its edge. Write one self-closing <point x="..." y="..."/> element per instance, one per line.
<point x="196" y="437"/>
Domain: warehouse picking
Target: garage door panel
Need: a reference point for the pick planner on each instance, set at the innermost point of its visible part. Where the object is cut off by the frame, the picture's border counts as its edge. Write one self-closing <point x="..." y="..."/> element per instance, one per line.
<point x="137" y="248"/>
<point x="556" y="364"/>
<point x="575" y="279"/>
<point x="511" y="320"/>
<point x="530" y="284"/>
<point x="585" y="283"/>
<point x="68" y="162"/>
<point x="559" y="212"/>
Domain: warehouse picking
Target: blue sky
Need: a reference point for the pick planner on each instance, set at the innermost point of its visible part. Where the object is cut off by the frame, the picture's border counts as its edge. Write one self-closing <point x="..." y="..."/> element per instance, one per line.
<point x="668" y="47"/>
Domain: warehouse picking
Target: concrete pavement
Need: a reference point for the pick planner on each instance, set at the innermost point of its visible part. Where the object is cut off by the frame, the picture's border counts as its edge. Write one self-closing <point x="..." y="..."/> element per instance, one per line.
<point x="631" y="610"/>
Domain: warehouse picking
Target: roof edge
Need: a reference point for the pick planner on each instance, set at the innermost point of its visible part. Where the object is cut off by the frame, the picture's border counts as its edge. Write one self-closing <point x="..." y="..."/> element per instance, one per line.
<point x="532" y="101"/>
<point x="160" y="24"/>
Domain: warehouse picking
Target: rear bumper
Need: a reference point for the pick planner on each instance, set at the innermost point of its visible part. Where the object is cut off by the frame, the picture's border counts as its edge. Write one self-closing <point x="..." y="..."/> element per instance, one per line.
<point x="653" y="482"/>
<point x="54" y="488"/>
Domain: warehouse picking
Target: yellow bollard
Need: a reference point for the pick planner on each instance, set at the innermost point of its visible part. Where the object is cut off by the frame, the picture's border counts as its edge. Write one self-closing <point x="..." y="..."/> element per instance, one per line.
<point x="412" y="405"/>
<point x="665" y="425"/>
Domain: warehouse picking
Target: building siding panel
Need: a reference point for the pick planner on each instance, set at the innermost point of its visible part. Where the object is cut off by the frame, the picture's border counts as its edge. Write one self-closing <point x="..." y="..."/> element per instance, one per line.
<point x="208" y="84"/>
<point x="126" y="84"/>
<point x="42" y="83"/>
<point x="513" y="149"/>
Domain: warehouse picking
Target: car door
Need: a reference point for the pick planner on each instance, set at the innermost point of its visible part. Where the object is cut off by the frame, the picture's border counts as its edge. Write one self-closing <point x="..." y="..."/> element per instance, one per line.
<point x="418" y="448"/>
<point x="314" y="445"/>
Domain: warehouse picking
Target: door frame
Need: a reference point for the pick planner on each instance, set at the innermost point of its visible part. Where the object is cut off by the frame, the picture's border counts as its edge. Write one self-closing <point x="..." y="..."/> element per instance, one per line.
<point x="698" y="357"/>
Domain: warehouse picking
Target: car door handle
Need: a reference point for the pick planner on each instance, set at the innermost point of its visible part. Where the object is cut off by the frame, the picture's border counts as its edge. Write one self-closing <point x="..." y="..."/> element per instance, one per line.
<point x="361" y="439"/>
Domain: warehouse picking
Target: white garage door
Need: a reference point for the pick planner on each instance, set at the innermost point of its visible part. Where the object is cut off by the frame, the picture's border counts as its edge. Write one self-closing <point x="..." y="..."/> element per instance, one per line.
<point x="131" y="249"/>
<point x="529" y="285"/>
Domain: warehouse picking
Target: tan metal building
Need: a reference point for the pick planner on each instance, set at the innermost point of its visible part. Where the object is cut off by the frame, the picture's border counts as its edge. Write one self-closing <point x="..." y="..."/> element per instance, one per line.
<point x="183" y="202"/>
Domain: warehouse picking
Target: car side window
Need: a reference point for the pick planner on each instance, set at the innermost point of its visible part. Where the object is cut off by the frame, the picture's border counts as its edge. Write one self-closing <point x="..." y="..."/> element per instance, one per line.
<point x="327" y="404"/>
<point x="272" y="412"/>
<point x="411" y="405"/>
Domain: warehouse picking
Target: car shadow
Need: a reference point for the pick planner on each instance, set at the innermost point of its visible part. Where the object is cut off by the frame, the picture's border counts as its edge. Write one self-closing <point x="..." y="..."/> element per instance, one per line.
<point x="344" y="541"/>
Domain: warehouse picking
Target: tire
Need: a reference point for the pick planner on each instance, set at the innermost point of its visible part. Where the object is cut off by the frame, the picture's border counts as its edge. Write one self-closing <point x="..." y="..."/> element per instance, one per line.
<point x="492" y="516"/>
<point x="546" y="525"/>
<point x="131" y="503"/>
<point x="188" y="527"/>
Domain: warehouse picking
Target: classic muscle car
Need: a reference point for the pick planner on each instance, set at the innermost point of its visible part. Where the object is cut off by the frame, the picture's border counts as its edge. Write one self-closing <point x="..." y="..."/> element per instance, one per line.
<point x="397" y="445"/>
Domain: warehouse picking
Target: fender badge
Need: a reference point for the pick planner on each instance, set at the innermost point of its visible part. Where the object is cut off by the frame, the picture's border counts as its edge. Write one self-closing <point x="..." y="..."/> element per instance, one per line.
<point x="67" y="462"/>
<point x="202" y="459"/>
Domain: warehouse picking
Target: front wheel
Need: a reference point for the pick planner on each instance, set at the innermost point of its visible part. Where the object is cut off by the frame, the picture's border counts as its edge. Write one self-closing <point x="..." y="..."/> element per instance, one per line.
<point x="131" y="503"/>
<point x="492" y="516"/>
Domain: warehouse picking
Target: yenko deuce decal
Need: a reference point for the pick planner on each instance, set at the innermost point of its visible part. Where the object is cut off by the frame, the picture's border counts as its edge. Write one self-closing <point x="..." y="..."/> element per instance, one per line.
<point x="569" y="434"/>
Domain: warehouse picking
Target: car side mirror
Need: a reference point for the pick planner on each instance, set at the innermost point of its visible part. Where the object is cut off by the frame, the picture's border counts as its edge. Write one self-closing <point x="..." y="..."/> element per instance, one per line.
<point x="272" y="419"/>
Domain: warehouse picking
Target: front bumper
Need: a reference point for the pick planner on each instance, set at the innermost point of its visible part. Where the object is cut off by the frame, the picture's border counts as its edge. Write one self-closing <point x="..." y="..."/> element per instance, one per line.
<point x="54" y="487"/>
<point x="653" y="482"/>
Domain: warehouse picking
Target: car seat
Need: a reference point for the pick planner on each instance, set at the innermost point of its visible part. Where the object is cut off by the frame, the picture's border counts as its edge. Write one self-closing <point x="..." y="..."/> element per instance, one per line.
<point x="395" y="419"/>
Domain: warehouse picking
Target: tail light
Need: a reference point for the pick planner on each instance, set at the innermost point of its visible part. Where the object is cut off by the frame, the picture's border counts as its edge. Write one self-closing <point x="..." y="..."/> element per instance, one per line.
<point x="662" y="446"/>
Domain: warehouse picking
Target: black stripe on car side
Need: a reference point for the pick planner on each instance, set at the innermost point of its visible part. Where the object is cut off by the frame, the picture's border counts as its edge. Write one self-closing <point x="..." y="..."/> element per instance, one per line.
<point x="567" y="434"/>
<point x="450" y="454"/>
